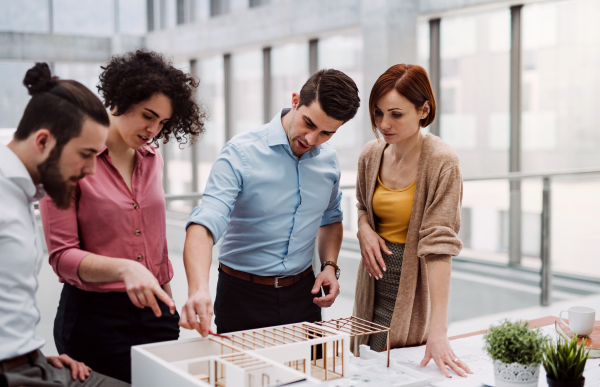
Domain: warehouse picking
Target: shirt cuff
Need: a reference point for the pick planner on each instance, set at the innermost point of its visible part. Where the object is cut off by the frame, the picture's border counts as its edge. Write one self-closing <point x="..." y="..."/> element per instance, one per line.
<point x="334" y="216"/>
<point x="68" y="265"/>
<point x="214" y="221"/>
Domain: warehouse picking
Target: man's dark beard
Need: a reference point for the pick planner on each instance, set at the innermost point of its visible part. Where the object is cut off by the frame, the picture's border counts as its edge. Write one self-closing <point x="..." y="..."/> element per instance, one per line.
<point x="54" y="184"/>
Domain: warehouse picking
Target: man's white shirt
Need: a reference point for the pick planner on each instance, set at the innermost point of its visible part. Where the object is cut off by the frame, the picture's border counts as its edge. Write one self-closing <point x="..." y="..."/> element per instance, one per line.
<point x="20" y="258"/>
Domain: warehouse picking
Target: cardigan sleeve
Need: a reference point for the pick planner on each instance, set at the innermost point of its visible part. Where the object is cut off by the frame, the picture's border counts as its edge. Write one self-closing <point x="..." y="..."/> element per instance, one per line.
<point x="361" y="186"/>
<point x="438" y="235"/>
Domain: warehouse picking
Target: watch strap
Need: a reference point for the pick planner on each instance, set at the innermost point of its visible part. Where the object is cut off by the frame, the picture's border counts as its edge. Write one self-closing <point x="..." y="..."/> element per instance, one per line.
<point x="330" y="263"/>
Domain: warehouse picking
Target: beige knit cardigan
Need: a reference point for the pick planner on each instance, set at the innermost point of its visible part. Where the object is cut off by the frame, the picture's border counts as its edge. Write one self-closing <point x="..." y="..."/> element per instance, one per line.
<point x="432" y="235"/>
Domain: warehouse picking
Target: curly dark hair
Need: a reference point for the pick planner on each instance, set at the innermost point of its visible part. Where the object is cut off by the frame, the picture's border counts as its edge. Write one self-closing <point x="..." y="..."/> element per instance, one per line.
<point x="136" y="76"/>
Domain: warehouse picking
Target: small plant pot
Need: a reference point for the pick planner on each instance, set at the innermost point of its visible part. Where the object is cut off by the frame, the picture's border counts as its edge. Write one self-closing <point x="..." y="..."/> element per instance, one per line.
<point x="556" y="383"/>
<point x="516" y="375"/>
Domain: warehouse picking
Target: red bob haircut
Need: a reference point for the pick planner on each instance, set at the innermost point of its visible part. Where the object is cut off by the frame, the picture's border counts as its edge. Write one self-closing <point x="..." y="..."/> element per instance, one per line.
<point x="412" y="82"/>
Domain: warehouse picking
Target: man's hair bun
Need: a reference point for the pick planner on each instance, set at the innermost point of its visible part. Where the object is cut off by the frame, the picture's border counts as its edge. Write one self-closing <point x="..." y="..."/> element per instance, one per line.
<point x="39" y="79"/>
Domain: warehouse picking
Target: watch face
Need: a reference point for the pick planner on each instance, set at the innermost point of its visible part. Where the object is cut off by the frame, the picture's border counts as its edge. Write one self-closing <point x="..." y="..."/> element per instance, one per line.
<point x="337" y="274"/>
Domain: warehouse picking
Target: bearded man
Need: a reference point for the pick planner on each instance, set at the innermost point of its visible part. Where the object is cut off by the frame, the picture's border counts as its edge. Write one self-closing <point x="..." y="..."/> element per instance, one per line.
<point x="63" y="127"/>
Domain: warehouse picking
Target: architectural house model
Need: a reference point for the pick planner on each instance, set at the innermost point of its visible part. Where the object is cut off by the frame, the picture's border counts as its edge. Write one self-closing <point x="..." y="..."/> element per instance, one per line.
<point x="307" y="353"/>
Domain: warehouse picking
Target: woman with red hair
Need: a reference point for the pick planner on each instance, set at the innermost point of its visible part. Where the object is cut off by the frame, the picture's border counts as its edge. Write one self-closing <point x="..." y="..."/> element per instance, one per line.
<point x="409" y="192"/>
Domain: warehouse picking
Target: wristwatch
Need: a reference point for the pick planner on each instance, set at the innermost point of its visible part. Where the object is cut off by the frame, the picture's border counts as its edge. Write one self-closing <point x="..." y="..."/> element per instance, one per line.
<point x="331" y="263"/>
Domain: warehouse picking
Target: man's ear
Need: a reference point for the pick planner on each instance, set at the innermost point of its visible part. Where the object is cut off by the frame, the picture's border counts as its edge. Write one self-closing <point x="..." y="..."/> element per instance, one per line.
<point x="295" y="100"/>
<point x="44" y="142"/>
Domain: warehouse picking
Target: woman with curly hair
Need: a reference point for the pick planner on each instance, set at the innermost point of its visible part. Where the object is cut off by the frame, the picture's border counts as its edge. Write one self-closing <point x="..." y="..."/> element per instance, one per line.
<point x="110" y="247"/>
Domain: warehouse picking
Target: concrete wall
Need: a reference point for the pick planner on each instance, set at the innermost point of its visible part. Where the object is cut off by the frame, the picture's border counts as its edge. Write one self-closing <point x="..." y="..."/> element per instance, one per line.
<point x="64" y="48"/>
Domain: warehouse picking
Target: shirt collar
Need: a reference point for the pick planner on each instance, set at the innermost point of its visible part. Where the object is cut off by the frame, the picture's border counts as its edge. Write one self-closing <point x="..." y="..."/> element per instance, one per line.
<point x="145" y="150"/>
<point x="12" y="168"/>
<point x="277" y="136"/>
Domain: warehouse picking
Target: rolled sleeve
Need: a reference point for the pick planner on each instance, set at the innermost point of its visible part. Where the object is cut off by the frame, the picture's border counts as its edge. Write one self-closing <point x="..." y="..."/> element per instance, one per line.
<point x="222" y="188"/>
<point x="62" y="239"/>
<point x="334" y="213"/>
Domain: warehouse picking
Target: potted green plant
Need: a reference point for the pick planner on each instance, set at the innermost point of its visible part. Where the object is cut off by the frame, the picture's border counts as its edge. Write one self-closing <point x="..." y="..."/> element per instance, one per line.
<point x="564" y="362"/>
<point x="517" y="352"/>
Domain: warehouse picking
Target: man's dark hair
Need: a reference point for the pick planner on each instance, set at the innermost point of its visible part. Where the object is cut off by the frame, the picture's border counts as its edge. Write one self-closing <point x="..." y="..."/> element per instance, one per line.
<point x="336" y="93"/>
<point x="61" y="106"/>
<point x="137" y="76"/>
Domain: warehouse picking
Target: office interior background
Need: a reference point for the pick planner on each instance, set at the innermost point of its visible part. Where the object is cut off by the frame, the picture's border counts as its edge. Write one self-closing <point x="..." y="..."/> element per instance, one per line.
<point x="517" y="85"/>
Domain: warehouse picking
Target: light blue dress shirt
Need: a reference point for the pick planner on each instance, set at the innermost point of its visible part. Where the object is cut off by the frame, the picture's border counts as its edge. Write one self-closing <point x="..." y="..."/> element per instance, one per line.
<point x="267" y="204"/>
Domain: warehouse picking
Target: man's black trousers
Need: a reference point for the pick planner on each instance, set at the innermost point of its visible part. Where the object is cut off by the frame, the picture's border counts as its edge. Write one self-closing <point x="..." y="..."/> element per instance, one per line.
<point x="242" y="305"/>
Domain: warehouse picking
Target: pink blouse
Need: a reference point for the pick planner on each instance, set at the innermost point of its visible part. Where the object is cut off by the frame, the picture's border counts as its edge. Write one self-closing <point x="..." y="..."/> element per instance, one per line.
<point x="105" y="218"/>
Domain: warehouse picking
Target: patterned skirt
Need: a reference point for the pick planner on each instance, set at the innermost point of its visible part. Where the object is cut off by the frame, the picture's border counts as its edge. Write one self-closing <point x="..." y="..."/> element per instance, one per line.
<point x="386" y="291"/>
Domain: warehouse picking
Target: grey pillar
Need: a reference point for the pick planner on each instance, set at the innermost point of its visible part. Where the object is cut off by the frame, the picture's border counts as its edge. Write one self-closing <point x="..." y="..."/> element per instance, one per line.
<point x="163" y="14"/>
<point x="546" y="281"/>
<point x="514" y="223"/>
<point x="228" y="91"/>
<point x="434" y="70"/>
<point x="195" y="170"/>
<point x="150" y="15"/>
<point x="50" y="17"/>
<point x="313" y="56"/>
<point x="267" y="92"/>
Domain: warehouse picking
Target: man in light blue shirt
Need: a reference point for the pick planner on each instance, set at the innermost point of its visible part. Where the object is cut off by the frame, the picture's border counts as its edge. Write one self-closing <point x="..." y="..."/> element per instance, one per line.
<point x="270" y="193"/>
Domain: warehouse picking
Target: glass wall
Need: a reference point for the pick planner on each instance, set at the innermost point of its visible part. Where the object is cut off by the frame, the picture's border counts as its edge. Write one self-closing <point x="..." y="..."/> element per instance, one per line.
<point x="474" y="90"/>
<point x="473" y="111"/>
<point x="561" y="85"/>
<point x="247" y="109"/>
<point x="289" y="71"/>
<point x="211" y="94"/>
<point x="179" y="161"/>
<point x="344" y="53"/>
<point x="560" y="93"/>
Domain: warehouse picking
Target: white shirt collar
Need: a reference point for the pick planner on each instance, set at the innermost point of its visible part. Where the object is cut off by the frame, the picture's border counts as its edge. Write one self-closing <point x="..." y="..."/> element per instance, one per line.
<point x="12" y="168"/>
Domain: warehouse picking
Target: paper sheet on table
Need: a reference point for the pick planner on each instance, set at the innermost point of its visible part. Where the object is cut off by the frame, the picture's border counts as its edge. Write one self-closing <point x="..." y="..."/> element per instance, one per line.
<point x="470" y="350"/>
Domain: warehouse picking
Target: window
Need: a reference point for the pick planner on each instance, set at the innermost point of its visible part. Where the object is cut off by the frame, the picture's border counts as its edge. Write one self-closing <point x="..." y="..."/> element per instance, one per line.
<point x="474" y="90"/>
<point x="344" y="53"/>
<point x="289" y="71"/>
<point x="247" y="74"/>
<point x="219" y="7"/>
<point x="185" y="11"/>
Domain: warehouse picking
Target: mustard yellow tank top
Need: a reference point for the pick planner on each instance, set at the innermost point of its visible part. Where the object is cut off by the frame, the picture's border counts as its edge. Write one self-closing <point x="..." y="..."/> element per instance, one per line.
<point x="392" y="209"/>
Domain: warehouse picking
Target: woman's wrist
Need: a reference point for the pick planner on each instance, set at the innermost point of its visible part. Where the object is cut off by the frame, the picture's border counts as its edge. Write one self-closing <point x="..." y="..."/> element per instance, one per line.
<point x="125" y="268"/>
<point x="438" y="331"/>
